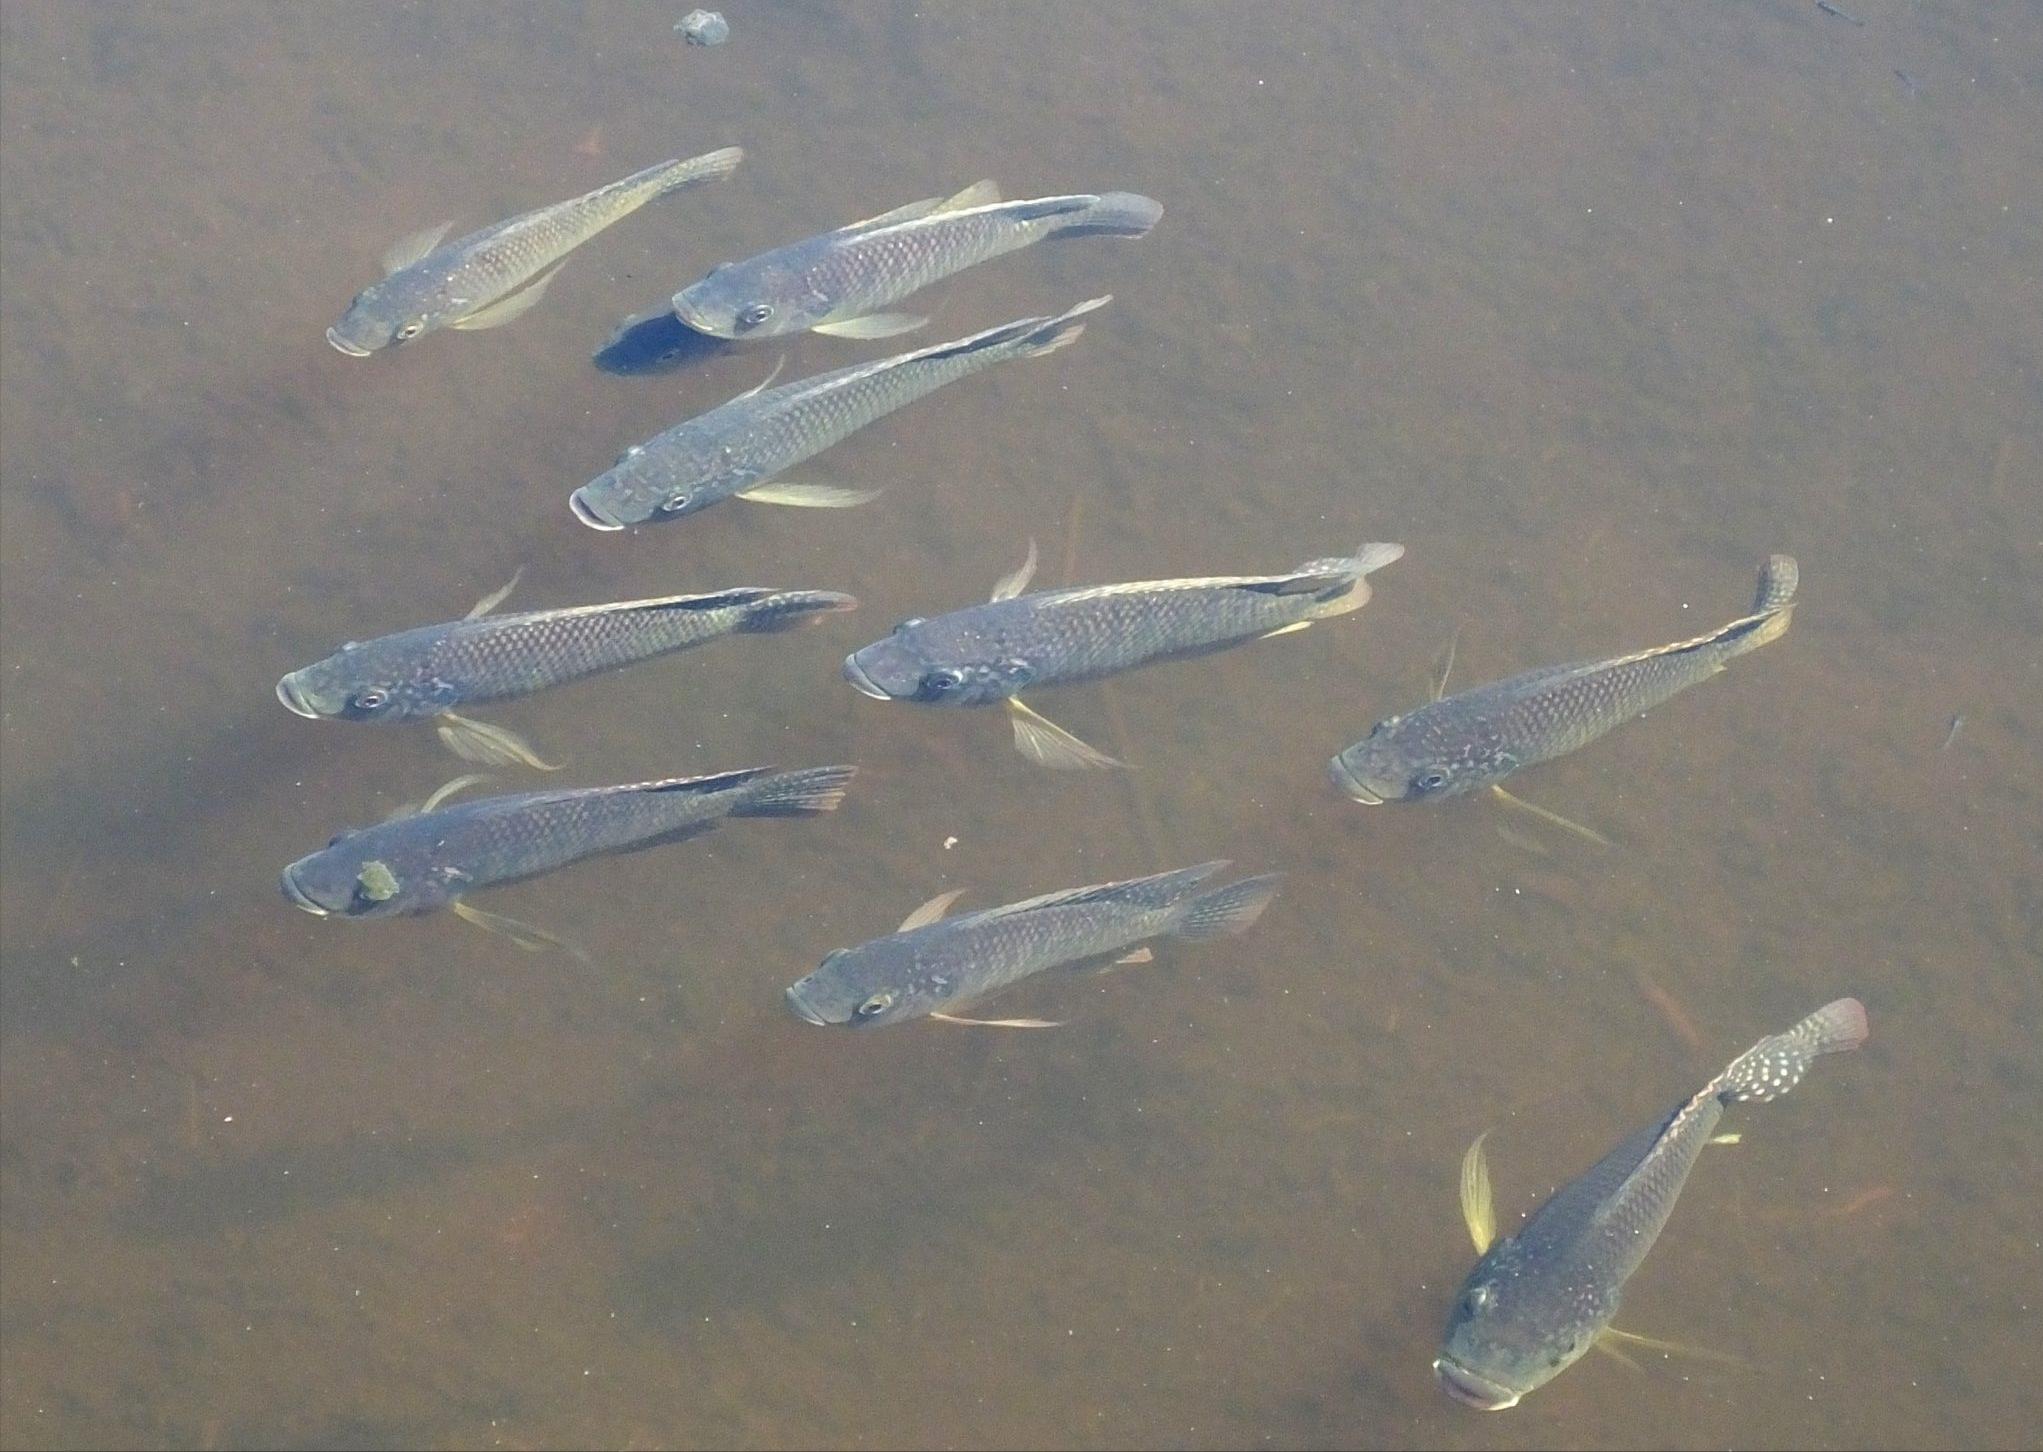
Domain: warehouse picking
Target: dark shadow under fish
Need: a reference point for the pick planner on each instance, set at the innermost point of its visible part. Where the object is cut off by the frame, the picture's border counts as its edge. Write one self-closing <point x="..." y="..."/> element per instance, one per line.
<point x="656" y="343"/>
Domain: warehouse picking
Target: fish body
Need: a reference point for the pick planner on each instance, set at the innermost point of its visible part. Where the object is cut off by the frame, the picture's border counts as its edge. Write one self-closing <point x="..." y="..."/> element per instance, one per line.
<point x="1478" y="737"/>
<point x="418" y="863"/>
<point x="439" y="668"/>
<point x="1538" y="1299"/>
<point x="987" y="653"/>
<point x="739" y="447"/>
<point x="481" y="280"/>
<point x="930" y="966"/>
<point x="839" y="281"/>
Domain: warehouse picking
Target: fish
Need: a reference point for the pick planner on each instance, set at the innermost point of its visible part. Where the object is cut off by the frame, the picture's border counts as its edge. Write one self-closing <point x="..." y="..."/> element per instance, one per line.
<point x="740" y="448"/>
<point x="1537" y="1300"/>
<point x="437" y="670"/>
<point x="431" y="858"/>
<point x="991" y="652"/>
<point x="486" y="279"/>
<point x="933" y="964"/>
<point x="1478" y="737"/>
<point x="837" y="284"/>
<point x="1829" y="9"/>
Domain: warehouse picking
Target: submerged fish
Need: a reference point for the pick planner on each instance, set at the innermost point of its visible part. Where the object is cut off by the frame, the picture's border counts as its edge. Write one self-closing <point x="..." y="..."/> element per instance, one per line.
<point x="480" y="281"/>
<point x="933" y="963"/>
<point x="1478" y="737"/>
<point x="1538" y="1299"/>
<point x="991" y="652"/>
<point x="739" y="447"/>
<point x="836" y="283"/>
<point x="435" y="669"/>
<point x="428" y="860"/>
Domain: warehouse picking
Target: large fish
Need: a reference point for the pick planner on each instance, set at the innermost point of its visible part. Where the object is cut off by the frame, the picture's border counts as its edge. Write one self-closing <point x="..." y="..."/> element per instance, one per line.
<point x="1538" y="1299"/>
<point x="740" y="447"/>
<point x="430" y="858"/>
<point x="435" y="670"/>
<point x="836" y="283"/>
<point x="932" y="964"/>
<point x="480" y="281"/>
<point x="1478" y="737"/>
<point x="991" y="652"/>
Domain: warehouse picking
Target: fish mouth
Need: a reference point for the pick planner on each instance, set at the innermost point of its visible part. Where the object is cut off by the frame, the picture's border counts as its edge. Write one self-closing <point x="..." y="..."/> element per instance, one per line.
<point x="801" y="1006"/>
<point x="1470" y="1389"/>
<point x="298" y="897"/>
<point x="353" y="350"/>
<point x="861" y="682"/>
<point x="589" y="514"/>
<point x="294" y="699"/>
<point x="1350" y="785"/>
<point x="695" y="318"/>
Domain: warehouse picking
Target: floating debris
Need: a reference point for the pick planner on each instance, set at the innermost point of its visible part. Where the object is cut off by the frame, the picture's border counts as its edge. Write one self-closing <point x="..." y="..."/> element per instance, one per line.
<point x="704" y="27"/>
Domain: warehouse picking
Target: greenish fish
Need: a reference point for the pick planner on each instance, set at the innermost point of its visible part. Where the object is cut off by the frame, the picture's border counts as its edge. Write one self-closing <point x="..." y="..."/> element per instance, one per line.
<point x="838" y="283"/>
<point x="1539" y="1299"/>
<point x="738" y="449"/>
<point x="437" y="670"/>
<point x="486" y="279"/>
<point x="991" y="652"/>
<point x="1478" y="737"/>
<point x="933" y="964"/>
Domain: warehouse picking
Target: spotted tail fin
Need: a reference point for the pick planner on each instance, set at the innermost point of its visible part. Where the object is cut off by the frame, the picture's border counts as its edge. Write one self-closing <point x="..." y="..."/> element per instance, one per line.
<point x="1776" y="1064"/>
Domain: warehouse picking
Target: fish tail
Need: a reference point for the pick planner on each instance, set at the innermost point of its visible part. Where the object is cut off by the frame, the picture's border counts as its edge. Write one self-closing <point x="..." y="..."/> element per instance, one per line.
<point x="1112" y="214"/>
<point x="1776" y="1064"/>
<point x="1047" y="335"/>
<point x="1227" y="910"/>
<point x="1342" y="584"/>
<point x="785" y="609"/>
<point x="673" y="176"/>
<point x="1772" y="609"/>
<point x="796" y="793"/>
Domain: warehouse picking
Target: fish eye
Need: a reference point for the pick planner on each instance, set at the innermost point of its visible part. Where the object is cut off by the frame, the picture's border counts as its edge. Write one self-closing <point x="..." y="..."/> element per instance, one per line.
<point x="410" y="330"/>
<point x="755" y="314"/>
<point x="372" y="699"/>
<point x="1430" y="781"/>
<point x="1477" y="1298"/>
<point x="674" y="504"/>
<point x="941" y="682"/>
<point x="878" y="1004"/>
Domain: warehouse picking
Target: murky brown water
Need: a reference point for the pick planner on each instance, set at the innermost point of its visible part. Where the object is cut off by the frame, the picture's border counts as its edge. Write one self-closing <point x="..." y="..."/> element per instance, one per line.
<point x="1591" y="307"/>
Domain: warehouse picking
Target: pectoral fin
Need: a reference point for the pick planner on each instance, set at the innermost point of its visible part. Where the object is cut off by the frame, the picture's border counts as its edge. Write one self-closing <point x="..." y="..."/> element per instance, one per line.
<point x="807" y="496"/>
<point x="1286" y="629"/>
<point x="480" y="742"/>
<point x="1014" y="583"/>
<point x="1478" y="1206"/>
<point x="522" y="935"/>
<point x="1046" y="743"/>
<point x="509" y="309"/>
<point x="495" y="598"/>
<point x="931" y="911"/>
<point x="872" y="325"/>
<point x="999" y="1022"/>
<point x="1553" y="818"/>
<point x="1446" y="665"/>
<point x="1137" y="955"/>
<point x="407" y="250"/>
<point x="762" y="384"/>
<point x="1666" y="1348"/>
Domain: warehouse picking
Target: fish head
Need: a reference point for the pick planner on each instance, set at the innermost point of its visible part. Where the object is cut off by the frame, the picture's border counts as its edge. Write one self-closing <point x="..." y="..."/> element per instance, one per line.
<point x="646" y="485"/>
<point x="948" y="661"/>
<point x="864" y="987"/>
<point x="1405" y="759"/>
<point x="1512" y="1330"/>
<point x="392" y="311"/>
<point x="762" y="298"/>
<point x="355" y="877"/>
<point x="376" y="681"/>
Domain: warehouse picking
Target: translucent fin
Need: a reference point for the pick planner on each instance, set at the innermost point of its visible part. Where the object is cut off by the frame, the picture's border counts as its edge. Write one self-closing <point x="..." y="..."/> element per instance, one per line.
<point x="509" y="309"/>
<point x="1060" y="331"/>
<point x="488" y="745"/>
<point x="1046" y="743"/>
<point x="1523" y="843"/>
<point x="872" y="325"/>
<point x="1726" y="1138"/>
<point x="1227" y="910"/>
<point x="495" y="598"/>
<point x="801" y="793"/>
<point x="1669" y="1348"/>
<point x="808" y="496"/>
<point x="1603" y="1344"/>
<point x="763" y="384"/>
<point x="1446" y="665"/>
<point x="978" y="194"/>
<point x="1000" y="1022"/>
<point x="1285" y="629"/>
<point x="1137" y="955"/>
<point x="931" y="911"/>
<point x="1478" y="1206"/>
<point x="1554" y="818"/>
<point x="1014" y="583"/>
<point x="982" y="193"/>
<point x="460" y="783"/>
<point x="407" y="250"/>
<point x="522" y="935"/>
<point x="1769" y="629"/>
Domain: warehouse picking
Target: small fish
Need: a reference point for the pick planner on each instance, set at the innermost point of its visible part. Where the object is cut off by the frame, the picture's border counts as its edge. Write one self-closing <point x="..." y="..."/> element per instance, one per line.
<point x="932" y="963"/>
<point x="430" y="859"/>
<point x="1538" y="1299"/>
<point x="1478" y="737"/>
<point x="741" y="447"/>
<point x="991" y="652"/>
<point x="435" y="670"/>
<point x="704" y="27"/>
<point x="480" y="281"/>
<point x="1828" y="9"/>
<point x="838" y="283"/>
<point x="1957" y="725"/>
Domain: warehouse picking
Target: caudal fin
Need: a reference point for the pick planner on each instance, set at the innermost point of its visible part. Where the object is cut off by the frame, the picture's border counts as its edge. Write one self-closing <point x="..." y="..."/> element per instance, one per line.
<point x="1776" y="1064"/>
<point x="1049" y="334"/>
<point x="673" y="176"/>
<point x="1113" y="214"/>
<point x="1228" y="910"/>
<point x="1772" y="609"/>
<point x="796" y="793"/>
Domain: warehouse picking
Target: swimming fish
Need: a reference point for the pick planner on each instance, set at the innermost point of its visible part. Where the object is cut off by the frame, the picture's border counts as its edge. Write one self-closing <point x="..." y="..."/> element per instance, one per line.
<point x="1478" y="737"/>
<point x="932" y="963"/>
<point x="431" y="858"/>
<point x="480" y="281"/>
<point x="740" y="447"/>
<point x="435" y="669"/>
<point x="1538" y="1299"/>
<point x="991" y="652"/>
<point x="838" y="282"/>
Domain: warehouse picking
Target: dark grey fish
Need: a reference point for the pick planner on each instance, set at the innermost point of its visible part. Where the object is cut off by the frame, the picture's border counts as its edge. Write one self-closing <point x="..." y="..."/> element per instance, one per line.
<point x="991" y="652"/>
<point x="740" y="447"/>
<point x="932" y="963"/>
<point x="429" y="860"/>
<point x="481" y="280"/>
<point x="1538" y="1299"/>
<point x="1478" y="737"/>
<point x="435" y="670"/>
<point x="836" y="283"/>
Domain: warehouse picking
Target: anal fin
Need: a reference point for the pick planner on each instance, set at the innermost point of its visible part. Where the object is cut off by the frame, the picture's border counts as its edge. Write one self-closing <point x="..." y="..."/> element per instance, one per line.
<point x="1016" y="1023"/>
<point x="522" y="935"/>
<point x="872" y="325"/>
<point x="807" y="496"/>
<point x="1478" y="1205"/>
<point x="1551" y="818"/>
<point x="508" y="309"/>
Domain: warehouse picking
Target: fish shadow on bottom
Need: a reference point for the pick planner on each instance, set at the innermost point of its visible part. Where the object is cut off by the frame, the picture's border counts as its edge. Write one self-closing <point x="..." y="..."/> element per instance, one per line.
<point x="656" y="342"/>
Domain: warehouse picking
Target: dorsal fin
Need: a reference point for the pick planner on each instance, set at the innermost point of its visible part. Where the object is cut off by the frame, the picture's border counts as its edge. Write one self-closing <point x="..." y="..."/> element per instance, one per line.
<point x="406" y="250"/>
<point x="978" y="194"/>
<point x="1016" y="581"/>
<point x="931" y="911"/>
